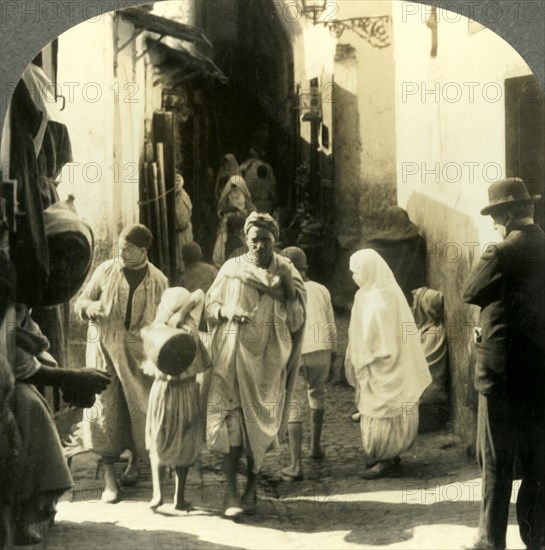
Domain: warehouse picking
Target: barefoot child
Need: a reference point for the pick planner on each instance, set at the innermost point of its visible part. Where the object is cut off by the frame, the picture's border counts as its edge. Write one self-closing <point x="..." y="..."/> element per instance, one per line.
<point x="175" y="355"/>
<point x="319" y="347"/>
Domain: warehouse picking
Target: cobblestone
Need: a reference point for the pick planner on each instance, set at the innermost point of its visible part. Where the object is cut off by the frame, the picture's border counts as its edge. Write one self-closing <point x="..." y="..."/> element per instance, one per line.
<point x="433" y="502"/>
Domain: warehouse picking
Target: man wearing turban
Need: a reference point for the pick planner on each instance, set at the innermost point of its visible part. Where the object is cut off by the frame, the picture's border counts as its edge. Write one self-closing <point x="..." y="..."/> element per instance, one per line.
<point x="121" y="298"/>
<point x="256" y="309"/>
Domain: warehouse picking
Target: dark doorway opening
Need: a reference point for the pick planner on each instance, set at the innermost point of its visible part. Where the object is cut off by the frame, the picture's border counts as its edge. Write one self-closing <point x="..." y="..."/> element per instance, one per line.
<point x="525" y="136"/>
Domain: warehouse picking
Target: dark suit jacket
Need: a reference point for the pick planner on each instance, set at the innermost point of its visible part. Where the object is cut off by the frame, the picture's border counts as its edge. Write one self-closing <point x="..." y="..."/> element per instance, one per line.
<point x="508" y="283"/>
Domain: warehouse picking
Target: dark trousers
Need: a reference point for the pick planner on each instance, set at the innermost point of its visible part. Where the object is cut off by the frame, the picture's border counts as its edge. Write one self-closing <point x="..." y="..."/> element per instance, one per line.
<point x="507" y="429"/>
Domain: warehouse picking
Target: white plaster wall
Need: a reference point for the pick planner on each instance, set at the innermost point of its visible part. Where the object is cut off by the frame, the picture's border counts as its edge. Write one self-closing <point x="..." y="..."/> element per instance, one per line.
<point x="450" y="109"/>
<point x="366" y="153"/>
<point x="85" y="73"/>
<point x="106" y="124"/>
<point x="450" y="143"/>
<point x="178" y="10"/>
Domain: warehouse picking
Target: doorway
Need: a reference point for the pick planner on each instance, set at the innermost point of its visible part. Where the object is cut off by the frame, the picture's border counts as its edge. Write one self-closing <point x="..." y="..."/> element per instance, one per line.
<point x="525" y="136"/>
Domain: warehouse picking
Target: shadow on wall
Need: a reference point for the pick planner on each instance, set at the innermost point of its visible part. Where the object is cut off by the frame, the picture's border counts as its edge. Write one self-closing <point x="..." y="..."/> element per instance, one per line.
<point x="347" y="154"/>
<point x="452" y="242"/>
<point x="370" y="204"/>
<point x="359" y="202"/>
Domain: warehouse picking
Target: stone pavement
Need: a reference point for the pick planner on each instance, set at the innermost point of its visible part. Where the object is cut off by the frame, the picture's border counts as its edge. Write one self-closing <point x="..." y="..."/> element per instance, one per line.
<point x="432" y="502"/>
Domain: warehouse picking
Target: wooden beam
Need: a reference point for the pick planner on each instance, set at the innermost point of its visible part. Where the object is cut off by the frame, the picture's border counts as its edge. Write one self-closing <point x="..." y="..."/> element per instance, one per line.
<point x="162" y="25"/>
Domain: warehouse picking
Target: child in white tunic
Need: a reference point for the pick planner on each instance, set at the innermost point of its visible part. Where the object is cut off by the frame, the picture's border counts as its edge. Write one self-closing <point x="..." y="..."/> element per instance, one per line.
<point x="175" y="355"/>
<point x="385" y="362"/>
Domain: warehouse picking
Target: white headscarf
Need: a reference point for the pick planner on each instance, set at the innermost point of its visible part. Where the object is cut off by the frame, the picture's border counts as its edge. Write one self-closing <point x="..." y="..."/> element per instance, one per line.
<point x="371" y="272"/>
<point x="382" y="328"/>
<point x="379" y="311"/>
<point x="236" y="193"/>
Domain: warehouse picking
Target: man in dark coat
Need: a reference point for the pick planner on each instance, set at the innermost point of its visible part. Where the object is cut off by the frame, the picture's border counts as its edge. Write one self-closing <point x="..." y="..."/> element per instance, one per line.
<point x="507" y="284"/>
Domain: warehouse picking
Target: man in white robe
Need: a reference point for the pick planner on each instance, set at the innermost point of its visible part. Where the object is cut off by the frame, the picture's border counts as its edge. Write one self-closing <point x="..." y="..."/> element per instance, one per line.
<point x="120" y="299"/>
<point x="256" y="308"/>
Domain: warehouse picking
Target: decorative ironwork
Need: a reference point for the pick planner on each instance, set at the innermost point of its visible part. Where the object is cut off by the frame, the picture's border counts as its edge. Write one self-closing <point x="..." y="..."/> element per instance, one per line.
<point x="376" y="30"/>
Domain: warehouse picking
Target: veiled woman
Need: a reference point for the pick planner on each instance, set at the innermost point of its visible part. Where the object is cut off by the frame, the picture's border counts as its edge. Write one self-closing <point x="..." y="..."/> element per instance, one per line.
<point x="229" y="168"/>
<point x="235" y="202"/>
<point x="384" y="362"/>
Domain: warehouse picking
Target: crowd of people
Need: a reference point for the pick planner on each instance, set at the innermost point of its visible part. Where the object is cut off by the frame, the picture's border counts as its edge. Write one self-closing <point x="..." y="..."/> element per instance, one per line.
<point x="229" y="358"/>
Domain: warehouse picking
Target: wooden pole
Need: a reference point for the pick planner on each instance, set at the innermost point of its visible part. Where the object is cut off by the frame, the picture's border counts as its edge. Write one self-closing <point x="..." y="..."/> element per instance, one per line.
<point x="156" y="230"/>
<point x="164" y="132"/>
<point x="147" y="196"/>
<point x="163" y="209"/>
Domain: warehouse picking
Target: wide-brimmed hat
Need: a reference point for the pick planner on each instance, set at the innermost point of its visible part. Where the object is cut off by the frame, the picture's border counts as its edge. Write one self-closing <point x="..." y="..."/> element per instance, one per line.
<point x="506" y="192"/>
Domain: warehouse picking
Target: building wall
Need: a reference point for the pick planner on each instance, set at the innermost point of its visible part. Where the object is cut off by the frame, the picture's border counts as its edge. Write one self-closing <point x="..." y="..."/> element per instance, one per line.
<point x="109" y="103"/>
<point x="106" y="116"/>
<point x="373" y="145"/>
<point x="450" y="125"/>
<point x="357" y="86"/>
<point x="89" y="116"/>
<point x="358" y="107"/>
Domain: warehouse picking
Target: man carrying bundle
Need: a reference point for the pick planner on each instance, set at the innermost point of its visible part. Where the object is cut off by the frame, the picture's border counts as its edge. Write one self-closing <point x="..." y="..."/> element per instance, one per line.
<point x="256" y="308"/>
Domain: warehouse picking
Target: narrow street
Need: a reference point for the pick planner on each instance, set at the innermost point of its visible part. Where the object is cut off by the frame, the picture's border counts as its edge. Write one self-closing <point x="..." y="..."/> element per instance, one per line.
<point x="399" y="144"/>
<point x="433" y="502"/>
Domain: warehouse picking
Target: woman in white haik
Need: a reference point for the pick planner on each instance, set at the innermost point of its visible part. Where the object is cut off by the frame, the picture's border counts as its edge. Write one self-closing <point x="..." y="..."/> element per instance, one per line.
<point x="384" y="362"/>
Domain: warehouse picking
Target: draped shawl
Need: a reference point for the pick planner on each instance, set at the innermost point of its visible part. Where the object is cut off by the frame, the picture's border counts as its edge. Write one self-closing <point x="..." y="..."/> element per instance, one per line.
<point x="385" y="357"/>
<point x="254" y="364"/>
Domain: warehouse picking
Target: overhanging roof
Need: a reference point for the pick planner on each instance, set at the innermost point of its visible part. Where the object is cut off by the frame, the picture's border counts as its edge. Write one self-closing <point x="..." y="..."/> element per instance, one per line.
<point x="161" y="25"/>
<point x="176" y="62"/>
<point x="179" y="64"/>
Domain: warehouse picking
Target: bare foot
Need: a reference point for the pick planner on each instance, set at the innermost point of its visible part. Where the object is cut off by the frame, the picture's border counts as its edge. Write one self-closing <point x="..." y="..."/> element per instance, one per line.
<point x="317" y="454"/>
<point x="111" y="493"/>
<point x="155" y="502"/>
<point x="184" y="506"/>
<point x="381" y="469"/>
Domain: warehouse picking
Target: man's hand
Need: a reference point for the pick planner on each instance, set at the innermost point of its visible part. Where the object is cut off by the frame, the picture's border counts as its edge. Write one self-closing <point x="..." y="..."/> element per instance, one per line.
<point x="94" y="311"/>
<point x="235" y="313"/>
<point x="79" y="387"/>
